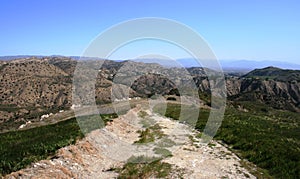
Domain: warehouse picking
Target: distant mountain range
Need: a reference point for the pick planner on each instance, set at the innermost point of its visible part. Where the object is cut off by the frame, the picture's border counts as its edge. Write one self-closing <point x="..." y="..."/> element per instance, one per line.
<point x="251" y="65"/>
<point x="227" y="65"/>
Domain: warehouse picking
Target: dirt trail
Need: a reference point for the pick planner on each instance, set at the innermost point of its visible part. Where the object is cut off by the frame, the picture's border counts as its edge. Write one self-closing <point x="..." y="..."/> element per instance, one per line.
<point x="111" y="147"/>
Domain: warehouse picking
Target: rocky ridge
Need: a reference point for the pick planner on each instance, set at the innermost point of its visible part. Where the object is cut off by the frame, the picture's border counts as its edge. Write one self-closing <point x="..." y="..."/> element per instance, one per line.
<point x="104" y="149"/>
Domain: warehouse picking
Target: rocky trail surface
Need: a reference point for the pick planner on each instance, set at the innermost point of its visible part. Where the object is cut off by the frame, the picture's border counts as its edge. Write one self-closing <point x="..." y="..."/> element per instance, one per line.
<point x="111" y="147"/>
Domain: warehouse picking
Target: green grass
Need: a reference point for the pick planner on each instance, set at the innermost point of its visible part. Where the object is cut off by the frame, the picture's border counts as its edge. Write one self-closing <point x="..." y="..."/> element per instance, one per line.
<point x="267" y="137"/>
<point x="163" y="152"/>
<point x="146" y="136"/>
<point x="142" y="114"/>
<point x="137" y="168"/>
<point x="92" y="122"/>
<point x="268" y="142"/>
<point x="149" y="134"/>
<point x="147" y="122"/>
<point x="185" y="114"/>
<point x="165" y="142"/>
<point x="19" y="149"/>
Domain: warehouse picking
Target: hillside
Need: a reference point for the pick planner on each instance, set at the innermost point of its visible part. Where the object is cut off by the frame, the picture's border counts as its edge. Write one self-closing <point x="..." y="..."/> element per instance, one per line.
<point x="262" y="113"/>
<point x="276" y="74"/>
<point x="35" y="86"/>
<point x="272" y="86"/>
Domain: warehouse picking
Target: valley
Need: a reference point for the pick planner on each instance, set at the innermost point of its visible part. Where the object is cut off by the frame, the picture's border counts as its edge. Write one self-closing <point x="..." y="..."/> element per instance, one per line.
<point x="258" y="137"/>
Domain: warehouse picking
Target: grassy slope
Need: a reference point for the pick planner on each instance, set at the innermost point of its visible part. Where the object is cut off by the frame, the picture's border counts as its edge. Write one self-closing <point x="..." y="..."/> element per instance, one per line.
<point x="267" y="137"/>
<point x="20" y="148"/>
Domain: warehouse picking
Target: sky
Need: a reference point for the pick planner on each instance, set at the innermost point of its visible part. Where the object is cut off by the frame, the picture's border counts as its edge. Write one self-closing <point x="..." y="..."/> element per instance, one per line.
<point x="234" y="29"/>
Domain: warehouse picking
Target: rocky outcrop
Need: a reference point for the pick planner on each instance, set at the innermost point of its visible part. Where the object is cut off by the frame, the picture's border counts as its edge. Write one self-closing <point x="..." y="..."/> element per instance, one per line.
<point x="281" y="95"/>
<point x="275" y="93"/>
<point x="152" y="84"/>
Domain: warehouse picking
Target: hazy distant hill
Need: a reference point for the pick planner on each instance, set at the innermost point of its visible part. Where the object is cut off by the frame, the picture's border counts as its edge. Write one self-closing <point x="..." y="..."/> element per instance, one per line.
<point x="251" y="65"/>
<point x="7" y="58"/>
<point x="227" y="65"/>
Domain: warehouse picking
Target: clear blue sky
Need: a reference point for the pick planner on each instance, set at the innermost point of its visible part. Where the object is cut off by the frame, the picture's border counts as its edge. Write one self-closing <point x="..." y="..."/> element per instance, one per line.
<point x="254" y="30"/>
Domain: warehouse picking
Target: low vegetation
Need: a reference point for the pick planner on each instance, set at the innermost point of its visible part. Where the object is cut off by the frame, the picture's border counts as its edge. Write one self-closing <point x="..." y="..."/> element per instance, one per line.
<point x="20" y="148"/>
<point x="144" y="167"/>
<point x="267" y="137"/>
<point x="92" y="122"/>
<point x="147" y="122"/>
<point x="33" y="115"/>
<point x="142" y="114"/>
<point x="165" y="142"/>
<point x="150" y="134"/>
<point x="162" y="152"/>
<point x="188" y="114"/>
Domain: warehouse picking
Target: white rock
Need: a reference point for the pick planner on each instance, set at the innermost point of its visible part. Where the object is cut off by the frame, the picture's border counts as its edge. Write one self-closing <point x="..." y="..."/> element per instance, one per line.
<point x="75" y="106"/>
<point x="22" y="126"/>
